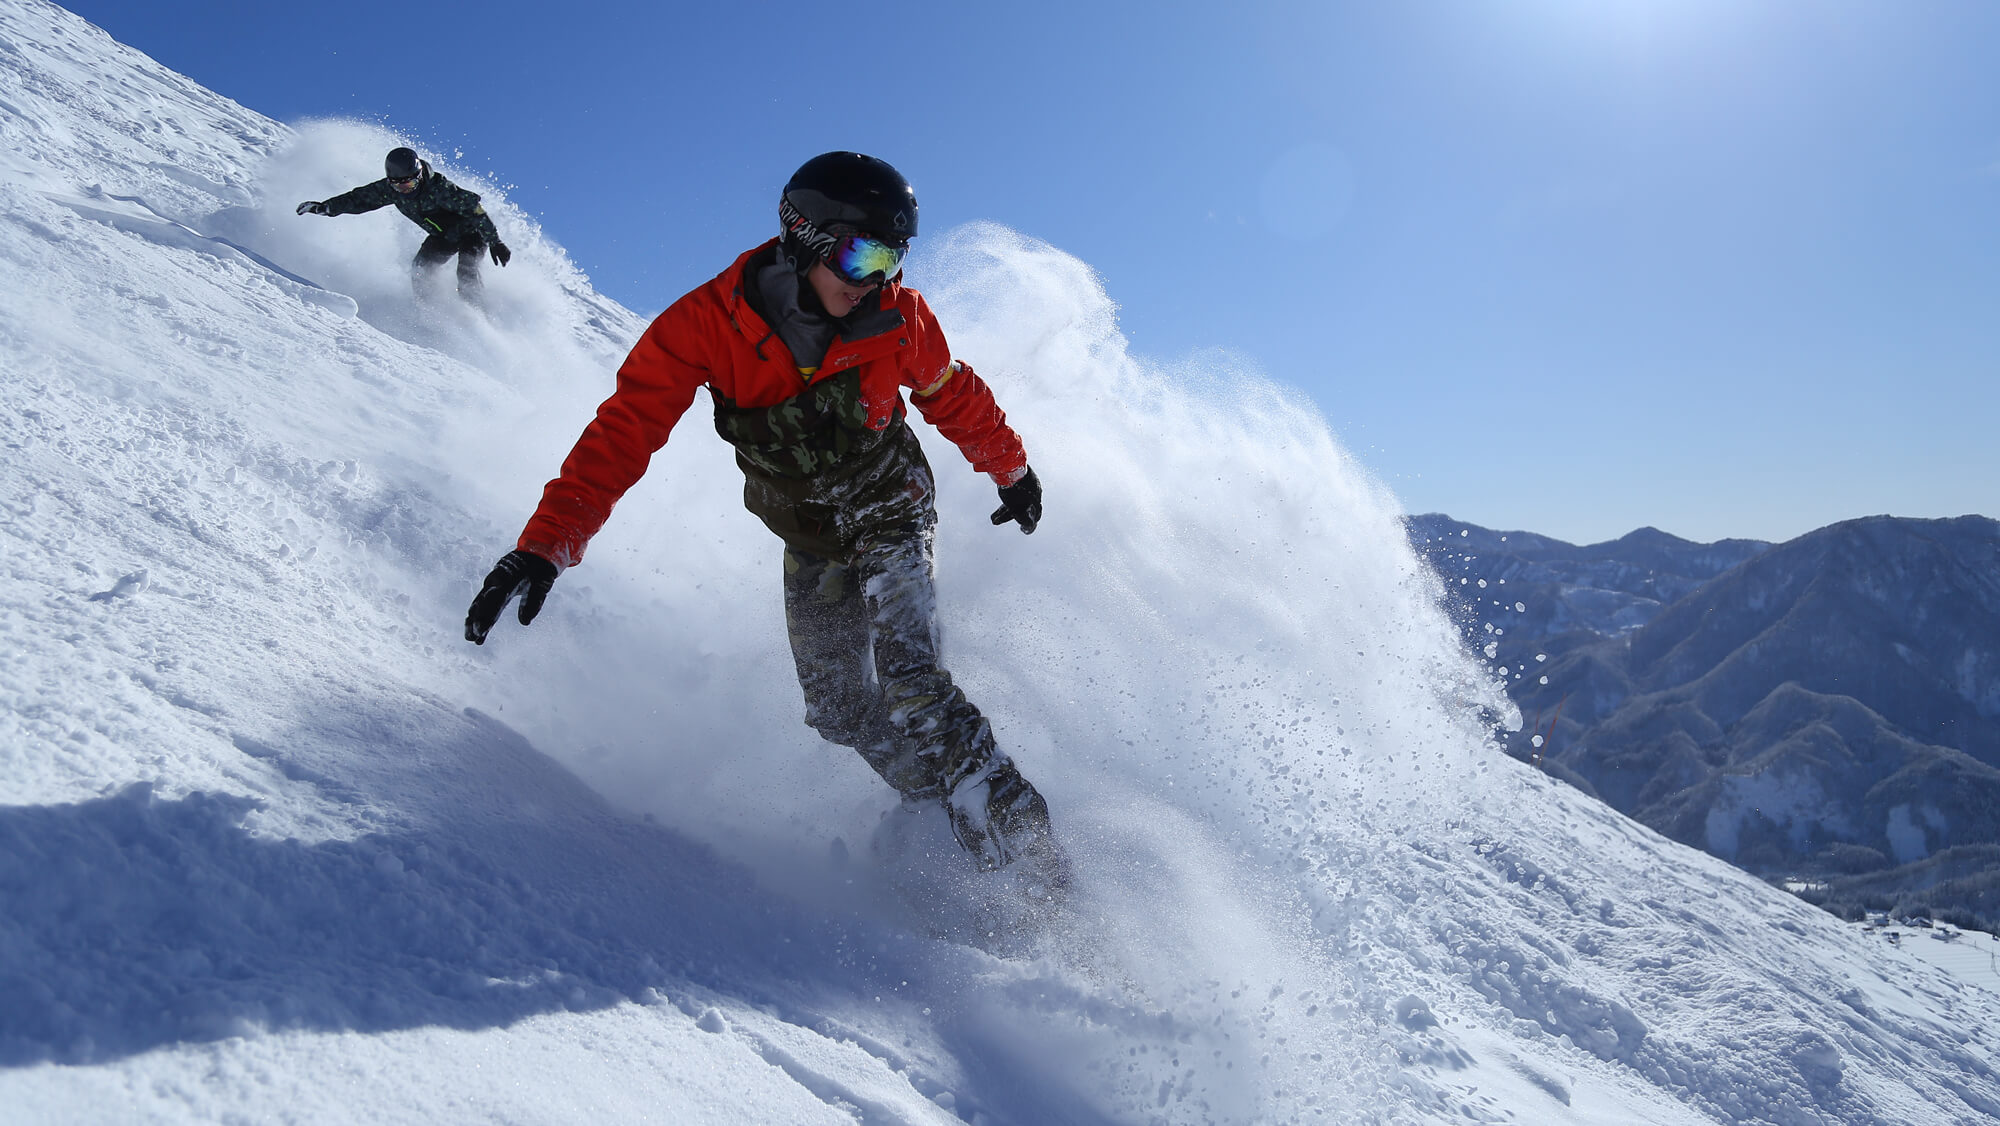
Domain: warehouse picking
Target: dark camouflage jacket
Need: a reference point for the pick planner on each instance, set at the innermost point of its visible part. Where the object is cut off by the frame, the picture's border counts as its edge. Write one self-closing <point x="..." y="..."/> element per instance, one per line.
<point x="439" y="206"/>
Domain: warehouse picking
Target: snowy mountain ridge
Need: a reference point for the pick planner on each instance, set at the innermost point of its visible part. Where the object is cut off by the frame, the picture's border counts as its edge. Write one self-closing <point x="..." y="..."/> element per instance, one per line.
<point x="1824" y="711"/>
<point x="276" y="844"/>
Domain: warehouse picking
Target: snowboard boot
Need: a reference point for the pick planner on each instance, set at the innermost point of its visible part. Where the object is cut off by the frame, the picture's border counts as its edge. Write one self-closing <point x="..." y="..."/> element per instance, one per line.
<point x="1001" y="819"/>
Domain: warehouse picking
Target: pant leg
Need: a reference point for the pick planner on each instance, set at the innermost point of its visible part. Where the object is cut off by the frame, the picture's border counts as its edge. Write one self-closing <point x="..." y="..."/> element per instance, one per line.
<point x="826" y="620"/>
<point x="947" y="735"/>
<point x="435" y="252"/>
<point x="470" y="285"/>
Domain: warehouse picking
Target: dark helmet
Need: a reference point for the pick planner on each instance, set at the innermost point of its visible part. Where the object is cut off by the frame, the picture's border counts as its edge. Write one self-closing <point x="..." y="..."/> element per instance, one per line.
<point x="401" y="164"/>
<point x="843" y="193"/>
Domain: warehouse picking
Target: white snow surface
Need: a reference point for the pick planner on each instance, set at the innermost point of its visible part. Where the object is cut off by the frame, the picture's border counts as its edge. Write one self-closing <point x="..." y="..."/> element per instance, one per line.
<point x="277" y="845"/>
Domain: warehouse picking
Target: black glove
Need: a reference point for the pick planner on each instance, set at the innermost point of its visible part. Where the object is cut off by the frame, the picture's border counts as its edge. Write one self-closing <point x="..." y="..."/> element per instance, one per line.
<point x="518" y="572"/>
<point x="500" y="253"/>
<point x="311" y="207"/>
<point x="1021" y="502"/>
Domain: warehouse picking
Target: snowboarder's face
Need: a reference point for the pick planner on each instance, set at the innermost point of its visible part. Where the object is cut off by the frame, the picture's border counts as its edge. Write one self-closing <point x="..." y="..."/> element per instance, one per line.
<point x="839" y="297"/>
<point x="407" y="186"/>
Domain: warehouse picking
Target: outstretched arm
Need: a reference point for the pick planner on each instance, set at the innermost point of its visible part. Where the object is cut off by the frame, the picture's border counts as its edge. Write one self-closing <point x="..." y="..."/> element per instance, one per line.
<point x="656" y="385"/>
<point x="952" y="397"/>
<point x="962" y="407"/>
<point x="365" y="198"/>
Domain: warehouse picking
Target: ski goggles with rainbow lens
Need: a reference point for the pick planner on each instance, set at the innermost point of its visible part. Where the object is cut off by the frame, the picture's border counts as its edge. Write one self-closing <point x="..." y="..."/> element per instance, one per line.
<point x="861" y="260"/>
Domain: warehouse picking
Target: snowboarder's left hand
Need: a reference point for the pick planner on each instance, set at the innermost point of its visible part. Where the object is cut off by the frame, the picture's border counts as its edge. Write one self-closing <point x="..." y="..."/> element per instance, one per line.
<point x="501" y="254"/>
<point x="518" y="572"/>
<point x="1021" y="502"/>
<point x="311" y="207"/>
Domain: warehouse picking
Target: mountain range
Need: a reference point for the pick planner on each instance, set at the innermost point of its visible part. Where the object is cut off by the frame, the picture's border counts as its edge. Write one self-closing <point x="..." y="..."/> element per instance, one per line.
<point x="1823" y="712"/>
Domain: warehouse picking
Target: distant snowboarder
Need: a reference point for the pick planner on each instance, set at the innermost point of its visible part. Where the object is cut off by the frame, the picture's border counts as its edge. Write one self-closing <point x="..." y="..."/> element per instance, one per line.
<point x="451" y="217"/>
<point x="806" y="345"/>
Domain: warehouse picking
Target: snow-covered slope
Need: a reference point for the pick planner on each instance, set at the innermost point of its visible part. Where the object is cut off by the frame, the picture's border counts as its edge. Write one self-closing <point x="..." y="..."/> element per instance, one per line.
<point x="275" y="844"/>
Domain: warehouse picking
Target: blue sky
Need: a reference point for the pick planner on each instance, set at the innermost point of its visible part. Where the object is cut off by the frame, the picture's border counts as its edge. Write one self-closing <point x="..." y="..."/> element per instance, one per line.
<point x="1726" y="268"/>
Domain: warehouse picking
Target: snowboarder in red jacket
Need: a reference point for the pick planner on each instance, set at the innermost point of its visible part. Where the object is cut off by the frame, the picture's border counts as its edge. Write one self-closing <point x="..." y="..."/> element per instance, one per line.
<point x="806" y="345"/>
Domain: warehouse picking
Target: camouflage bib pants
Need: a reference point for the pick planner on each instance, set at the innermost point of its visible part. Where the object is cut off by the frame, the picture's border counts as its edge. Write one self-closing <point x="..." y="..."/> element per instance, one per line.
<point x="856" y="510"/>
<point x="865" y="638"/>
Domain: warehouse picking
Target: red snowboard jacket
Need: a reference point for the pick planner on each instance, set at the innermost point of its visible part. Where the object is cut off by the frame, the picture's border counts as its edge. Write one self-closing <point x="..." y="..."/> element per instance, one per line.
<point x="712" y="338"/>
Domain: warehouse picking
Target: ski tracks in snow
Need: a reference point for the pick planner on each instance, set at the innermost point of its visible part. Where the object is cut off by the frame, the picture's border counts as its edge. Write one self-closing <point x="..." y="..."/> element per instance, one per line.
<point x="133" y="216"/>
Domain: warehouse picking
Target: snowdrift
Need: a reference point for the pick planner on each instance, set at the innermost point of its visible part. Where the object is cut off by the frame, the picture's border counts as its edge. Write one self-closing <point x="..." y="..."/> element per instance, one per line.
<point x="275" y="842"/>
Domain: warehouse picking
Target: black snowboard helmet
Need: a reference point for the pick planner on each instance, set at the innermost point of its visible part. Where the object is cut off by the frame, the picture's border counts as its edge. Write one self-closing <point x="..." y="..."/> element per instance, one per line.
<point x="843" y="193"/>
<point x="401" y="164"/>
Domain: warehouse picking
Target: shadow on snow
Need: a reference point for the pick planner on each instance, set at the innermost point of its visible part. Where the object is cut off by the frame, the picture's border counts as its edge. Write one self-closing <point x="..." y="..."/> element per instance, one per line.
<point x="134" y="922"/>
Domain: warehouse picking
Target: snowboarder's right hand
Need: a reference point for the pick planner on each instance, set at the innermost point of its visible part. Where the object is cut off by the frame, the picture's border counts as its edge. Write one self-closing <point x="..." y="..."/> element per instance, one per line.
<point x="518" y="572"/>
<point x="311" y="207"/>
